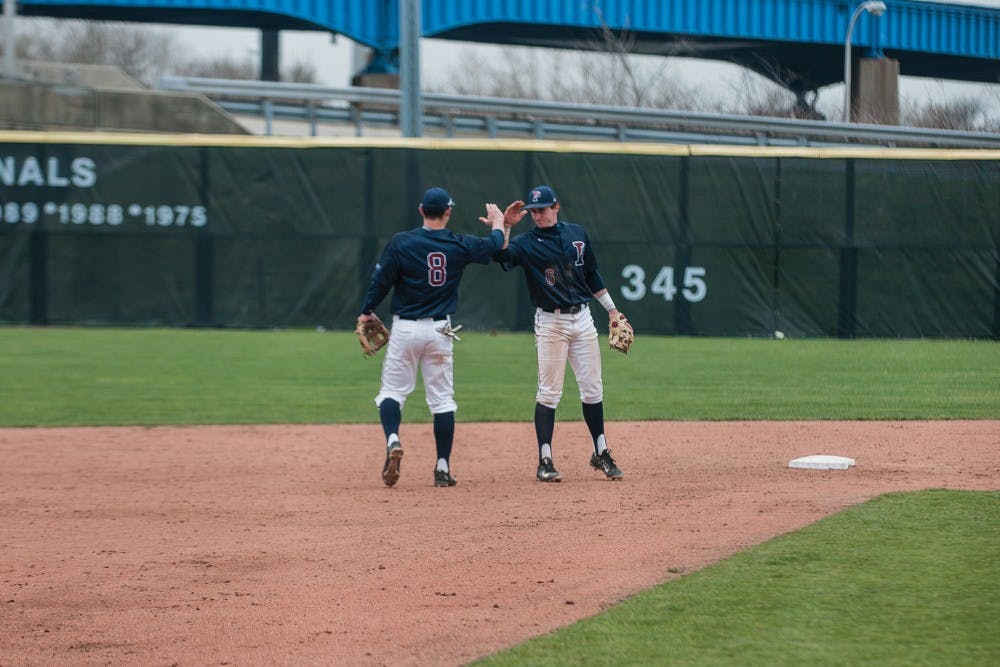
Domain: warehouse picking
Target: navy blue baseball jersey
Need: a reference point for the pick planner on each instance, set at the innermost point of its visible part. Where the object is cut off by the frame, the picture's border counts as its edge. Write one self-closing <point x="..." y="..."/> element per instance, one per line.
<point x="559" y="265"/>
<point x="425" y="267"/>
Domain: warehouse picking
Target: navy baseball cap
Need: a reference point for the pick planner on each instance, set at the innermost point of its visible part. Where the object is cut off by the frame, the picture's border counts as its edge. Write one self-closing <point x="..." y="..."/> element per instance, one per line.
<point x="541" y="196"/>
<point x="436" y="201"/>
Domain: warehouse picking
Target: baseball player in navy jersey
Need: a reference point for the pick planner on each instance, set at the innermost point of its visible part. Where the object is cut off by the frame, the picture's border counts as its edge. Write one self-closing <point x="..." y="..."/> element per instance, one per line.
<point x="423" y="267"/>
<point x="561" y="271"/>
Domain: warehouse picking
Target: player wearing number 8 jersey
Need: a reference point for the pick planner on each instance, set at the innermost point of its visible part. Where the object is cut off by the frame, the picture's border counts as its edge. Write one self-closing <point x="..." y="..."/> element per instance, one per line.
<point x="560" y="268"/>
<point x="423" y="268"/>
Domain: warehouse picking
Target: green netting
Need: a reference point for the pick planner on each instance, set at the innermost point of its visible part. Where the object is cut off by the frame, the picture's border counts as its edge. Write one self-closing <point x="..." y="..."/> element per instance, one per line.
<point x="696" y="245"/>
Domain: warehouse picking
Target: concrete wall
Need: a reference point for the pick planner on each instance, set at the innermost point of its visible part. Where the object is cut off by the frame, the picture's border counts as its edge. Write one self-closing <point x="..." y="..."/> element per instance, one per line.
<point x="52" y="96"/>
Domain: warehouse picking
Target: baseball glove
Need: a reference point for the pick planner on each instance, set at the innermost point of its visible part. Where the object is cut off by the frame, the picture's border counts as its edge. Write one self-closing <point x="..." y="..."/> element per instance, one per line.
<point x="372" y="334"/>
<point x="620" y="334"/>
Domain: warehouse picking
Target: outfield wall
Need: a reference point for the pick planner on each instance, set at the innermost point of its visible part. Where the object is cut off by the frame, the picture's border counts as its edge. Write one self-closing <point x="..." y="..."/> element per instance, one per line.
<point x="694" y="240"/>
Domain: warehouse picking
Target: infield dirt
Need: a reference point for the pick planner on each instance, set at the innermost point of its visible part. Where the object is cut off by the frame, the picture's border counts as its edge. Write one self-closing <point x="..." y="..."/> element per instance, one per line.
<point x="281" y="545"/>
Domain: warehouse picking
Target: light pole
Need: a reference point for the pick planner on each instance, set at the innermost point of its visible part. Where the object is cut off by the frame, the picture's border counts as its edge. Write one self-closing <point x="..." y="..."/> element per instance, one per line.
<point x="9" y="64"/>
<point x="876" y="7"/>
<point x="411" y="112"/>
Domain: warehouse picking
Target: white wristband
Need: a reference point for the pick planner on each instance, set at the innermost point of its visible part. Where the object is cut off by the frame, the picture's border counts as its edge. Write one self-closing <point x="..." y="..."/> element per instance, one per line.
<point x="606" y="301"/>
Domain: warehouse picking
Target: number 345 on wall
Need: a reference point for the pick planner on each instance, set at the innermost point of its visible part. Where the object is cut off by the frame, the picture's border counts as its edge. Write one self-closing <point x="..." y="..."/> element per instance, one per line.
<point x="693" y="287"/>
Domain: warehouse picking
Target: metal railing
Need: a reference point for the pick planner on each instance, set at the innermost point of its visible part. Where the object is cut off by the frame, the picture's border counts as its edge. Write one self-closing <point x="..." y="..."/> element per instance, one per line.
<point x="361" y="108"/>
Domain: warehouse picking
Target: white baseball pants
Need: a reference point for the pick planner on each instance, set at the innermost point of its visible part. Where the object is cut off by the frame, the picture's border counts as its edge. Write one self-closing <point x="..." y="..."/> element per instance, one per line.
<point x="417" y="344"/>
<point x="559" y="337"/>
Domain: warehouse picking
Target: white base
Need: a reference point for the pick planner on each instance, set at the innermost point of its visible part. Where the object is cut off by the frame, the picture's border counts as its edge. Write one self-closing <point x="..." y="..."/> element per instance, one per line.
<point x="822" y="462"/>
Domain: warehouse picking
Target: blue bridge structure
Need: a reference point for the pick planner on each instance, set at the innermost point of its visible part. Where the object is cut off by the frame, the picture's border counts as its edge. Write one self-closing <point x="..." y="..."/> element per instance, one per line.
<point x="797" y="43"/>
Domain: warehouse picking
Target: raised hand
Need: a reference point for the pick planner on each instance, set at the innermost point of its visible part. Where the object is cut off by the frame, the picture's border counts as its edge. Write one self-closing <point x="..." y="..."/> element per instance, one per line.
<point x="494" y="217"/>
<point x="513" y="213"/>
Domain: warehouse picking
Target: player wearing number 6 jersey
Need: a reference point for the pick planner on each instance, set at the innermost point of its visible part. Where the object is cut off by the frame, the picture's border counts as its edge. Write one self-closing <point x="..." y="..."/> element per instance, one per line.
<point x="423" y="267"/>
<point x="561" y="271"/>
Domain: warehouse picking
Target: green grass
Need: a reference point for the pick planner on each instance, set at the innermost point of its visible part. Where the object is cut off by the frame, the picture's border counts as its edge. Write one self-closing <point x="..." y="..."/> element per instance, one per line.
<point x="89" y="376"/>
<point x="906" y="579"/>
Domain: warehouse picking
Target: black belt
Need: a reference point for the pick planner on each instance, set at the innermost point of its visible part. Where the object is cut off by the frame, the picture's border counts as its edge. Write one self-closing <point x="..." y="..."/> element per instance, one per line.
<point x="566" y="310"/>
<point x="440" y="316"/>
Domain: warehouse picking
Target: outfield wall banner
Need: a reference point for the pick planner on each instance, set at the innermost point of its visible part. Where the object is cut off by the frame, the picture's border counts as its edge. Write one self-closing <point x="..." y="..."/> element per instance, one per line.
<point x="260" y="232"/>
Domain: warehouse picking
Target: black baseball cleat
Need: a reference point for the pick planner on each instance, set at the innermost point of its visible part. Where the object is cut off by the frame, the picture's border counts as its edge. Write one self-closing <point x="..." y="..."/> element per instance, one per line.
<point x="444" y="478"/>
<point x="390" y="471"/>
<point x="606" y="464"/>
<point x="547" y="471"/>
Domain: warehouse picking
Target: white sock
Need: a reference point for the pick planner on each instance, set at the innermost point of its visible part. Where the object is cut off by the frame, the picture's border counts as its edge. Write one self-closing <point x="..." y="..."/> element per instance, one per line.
<point x="545" y="451"/>
<point x="442" y="465"/>
<point x="392" y="438"/>
<point x="602" y="444"/>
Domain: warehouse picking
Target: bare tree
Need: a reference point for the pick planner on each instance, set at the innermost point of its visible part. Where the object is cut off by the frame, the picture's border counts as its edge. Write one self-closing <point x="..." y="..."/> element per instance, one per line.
<point x="514" y="75"/>
<point x="607" y="74"/>
<point x="962" y="113"/>
<point x="142" y="52"/>
<point x="30" y="43"/>
<point x="232" y="67"/>
<point x="991" y="98"/>
<point x="219" y="67"/>
<point x="568" y="76"/>
<point x="753" y="95"/>
<point x="625" y="78"/>
<point x="299" y="72"/>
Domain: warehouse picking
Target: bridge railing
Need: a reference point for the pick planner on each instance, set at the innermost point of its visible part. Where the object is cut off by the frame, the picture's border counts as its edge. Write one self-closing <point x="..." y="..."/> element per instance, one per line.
<point x="451" y="115"/>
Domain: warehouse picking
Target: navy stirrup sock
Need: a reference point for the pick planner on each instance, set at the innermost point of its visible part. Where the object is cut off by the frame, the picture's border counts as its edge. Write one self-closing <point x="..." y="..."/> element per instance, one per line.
<point x="390" y="415"/>
<point x="593" y="414"/>
<point x="444" y="434"/>
<point x="545" y="424"/>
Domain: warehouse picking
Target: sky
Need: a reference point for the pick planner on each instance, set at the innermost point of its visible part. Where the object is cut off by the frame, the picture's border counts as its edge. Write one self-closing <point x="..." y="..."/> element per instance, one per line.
<point x="336" y="59"/>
